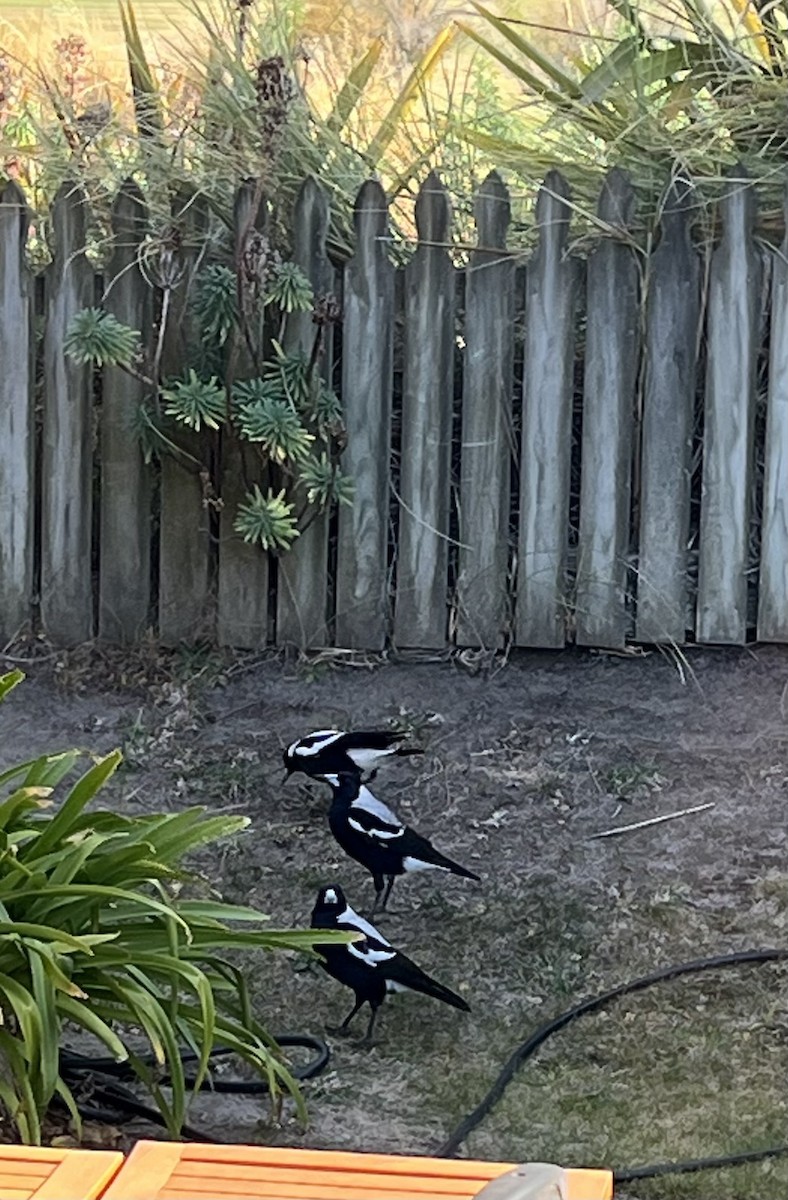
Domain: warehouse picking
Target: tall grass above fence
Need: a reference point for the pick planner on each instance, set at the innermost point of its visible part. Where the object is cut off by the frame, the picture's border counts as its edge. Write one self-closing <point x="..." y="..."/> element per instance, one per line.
<point x="544" y="449"/>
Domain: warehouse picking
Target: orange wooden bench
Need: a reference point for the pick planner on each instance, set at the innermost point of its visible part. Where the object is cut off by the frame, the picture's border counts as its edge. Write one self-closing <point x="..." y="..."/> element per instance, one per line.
<point x="47" y="1173"/>
<point x="175" y="1171"/>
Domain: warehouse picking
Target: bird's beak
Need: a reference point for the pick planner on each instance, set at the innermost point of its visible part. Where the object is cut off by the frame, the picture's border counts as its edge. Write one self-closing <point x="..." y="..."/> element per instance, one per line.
<point x="288" y="773"/>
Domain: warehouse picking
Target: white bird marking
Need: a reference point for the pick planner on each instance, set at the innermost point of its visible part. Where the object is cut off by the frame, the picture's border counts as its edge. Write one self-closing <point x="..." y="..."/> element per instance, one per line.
<point x="330" y="896"/>
<point x="319" y="740"/>
<point x="418" y="864"/>
<point x="387" y="835"/>
<point x="354" y="919"/>
<point x="364" y="951"/>
<point x="363" y="757"/>
<point x="371" y="804"/>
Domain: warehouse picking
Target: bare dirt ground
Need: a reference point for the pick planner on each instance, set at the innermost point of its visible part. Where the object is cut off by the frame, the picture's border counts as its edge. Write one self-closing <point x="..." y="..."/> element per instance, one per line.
<point x="521" y="769"/>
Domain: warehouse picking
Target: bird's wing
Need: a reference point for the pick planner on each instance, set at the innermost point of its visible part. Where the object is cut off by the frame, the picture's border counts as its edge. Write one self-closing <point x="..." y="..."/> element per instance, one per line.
<point x="374" y="826"/>
<point x="314" y="743"/>
<point x="370" y="804"/>
<point x="372" y="739"/>
<point x="374" y="949"/>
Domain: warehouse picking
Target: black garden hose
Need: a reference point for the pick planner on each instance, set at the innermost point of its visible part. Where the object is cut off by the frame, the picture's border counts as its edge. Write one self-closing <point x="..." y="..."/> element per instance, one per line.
<point x="110" y="1101"/>
<point x="529" y="1047"/>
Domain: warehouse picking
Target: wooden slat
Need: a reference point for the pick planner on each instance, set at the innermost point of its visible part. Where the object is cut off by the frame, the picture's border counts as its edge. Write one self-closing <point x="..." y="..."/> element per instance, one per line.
<point x="733" y="310"/>
<point x="16" y="417"/>
<point x="548" y="387"/>
<point x="146" y="1171"/>
<point x="184" y="556"/>
<point x="124" y="558"/>
<point x="428" y="396"/>
<point x="82" y="1175"/>
<point x="342" y="1160"/>
<point x="486" y="423"/>
<point x="245" y="1177"/>
<point x="608" y="417"/>
<point x="303" y="571"/>
<point x="362" y="568"/>
<point x="672" y="318"/>
<point x="242" y="588"/>
<point x="773" y="590"/>
<point x="44" y="1173"/>
<point x="67" y="456"/>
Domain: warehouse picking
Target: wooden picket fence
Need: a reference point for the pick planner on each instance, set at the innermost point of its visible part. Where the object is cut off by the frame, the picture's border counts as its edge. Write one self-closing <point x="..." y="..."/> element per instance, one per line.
<point x="545" y="450"/>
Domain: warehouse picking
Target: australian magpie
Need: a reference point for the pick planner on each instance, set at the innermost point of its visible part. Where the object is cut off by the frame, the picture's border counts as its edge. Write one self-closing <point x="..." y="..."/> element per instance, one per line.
<point x="371" y="967"/>
<point x="370" y="832"/>
<point x="333" y="751"/>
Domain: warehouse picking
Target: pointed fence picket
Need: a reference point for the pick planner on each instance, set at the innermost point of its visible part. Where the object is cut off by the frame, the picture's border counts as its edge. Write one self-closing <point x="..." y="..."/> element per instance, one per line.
<point x="421" y="614"/>
<point x="185" y="601"/>
<point x="17" y="481"/>
<point x="671" y="352"/>
<point x="732" y="333"/>
<point x="125" y="526"/>
<point x="611" y="368"/>
<point x="773" y="596"/>
<point x="487" y="438"/>
<point x="302" y="595"/>
<point x="646" y="418"/>
<point x="67" y="449"/>
<point x="367" y="342"/>
<point x="243" y="579"/>
<point x="552" y="278"/>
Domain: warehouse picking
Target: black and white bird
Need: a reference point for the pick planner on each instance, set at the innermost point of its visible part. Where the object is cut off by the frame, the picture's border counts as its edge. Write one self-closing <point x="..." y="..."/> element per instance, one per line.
<point x="370" y="832"/>
<point x="372" y="966"/>
<point x="333" y="751"/>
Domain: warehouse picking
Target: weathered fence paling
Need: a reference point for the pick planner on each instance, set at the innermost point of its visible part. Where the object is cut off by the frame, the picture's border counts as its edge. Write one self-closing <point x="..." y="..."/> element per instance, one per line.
<point x="185" y="601"/>
<point x="67" y="466"/>
<point x="672" y="316"/>
<point x="421" y="613"/>
<point x="125" y="528"/>
<point x="242" y="588"/>
<point x="773" y="595"/>
<point x="640" y="533"/>
<point x="362" y="553"/>
<point x="17" y="497"/>
<point x="548" y="389"/>
<point x="611" y="366"/>
<point x="734" y="299"/>
<point x="302" y="601"/>
<point x="487" y="439"/>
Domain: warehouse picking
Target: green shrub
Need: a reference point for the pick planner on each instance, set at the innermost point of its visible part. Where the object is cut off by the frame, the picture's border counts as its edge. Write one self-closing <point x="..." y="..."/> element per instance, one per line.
<point x="97" y="933"/>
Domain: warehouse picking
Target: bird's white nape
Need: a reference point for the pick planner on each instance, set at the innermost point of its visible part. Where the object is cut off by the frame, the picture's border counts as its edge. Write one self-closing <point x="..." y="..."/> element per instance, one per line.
<point x="330" y="896"/>
<point x="353" y="920"/>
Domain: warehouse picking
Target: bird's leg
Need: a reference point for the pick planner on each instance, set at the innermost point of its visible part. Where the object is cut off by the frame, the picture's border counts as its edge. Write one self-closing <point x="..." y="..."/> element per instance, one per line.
<point x="367" y="1040"/>
<point x="343" y="1030"/>
<point x="379" y="885"/>
<point x="389" y="886"/>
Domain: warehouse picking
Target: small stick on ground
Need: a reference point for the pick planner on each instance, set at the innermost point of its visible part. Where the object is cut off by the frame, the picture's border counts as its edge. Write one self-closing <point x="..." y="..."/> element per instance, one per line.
<point x="684" y="812"/>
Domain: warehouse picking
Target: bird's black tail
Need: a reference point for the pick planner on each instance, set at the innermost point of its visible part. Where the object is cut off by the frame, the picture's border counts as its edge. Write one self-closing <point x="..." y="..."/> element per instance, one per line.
<point x="401" y="970"/>
<point x="413" y="845"/>
<point x="456" y="869"/>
